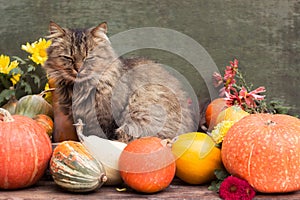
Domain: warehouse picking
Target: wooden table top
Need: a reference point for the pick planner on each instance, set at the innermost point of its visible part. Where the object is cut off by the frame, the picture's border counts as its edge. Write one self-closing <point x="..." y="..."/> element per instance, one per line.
<point x="46" y="189"/>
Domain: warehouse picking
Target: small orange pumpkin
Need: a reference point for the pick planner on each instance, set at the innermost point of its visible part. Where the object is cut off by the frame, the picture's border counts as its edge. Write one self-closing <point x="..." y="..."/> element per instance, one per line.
<point x="264" y="149"/>
<point x="46" y="122"/>
<point x="213" y="110"/>
<point x="147" y="165"/>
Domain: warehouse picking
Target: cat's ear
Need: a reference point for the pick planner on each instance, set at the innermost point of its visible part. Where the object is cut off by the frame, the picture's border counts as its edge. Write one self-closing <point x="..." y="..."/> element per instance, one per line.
<point x="55" y="30"/>
<point x="99" y="30"/>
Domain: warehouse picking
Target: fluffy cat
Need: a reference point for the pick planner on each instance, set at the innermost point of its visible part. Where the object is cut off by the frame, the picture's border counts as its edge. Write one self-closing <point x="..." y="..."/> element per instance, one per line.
<point x="116" y="98"/>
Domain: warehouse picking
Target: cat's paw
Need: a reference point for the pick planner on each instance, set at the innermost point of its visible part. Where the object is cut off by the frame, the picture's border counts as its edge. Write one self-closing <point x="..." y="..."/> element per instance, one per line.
<point x="125" y="135"/>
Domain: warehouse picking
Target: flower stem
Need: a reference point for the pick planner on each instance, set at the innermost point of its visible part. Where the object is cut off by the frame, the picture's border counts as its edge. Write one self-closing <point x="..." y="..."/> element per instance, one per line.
<point x="242" y="79"/>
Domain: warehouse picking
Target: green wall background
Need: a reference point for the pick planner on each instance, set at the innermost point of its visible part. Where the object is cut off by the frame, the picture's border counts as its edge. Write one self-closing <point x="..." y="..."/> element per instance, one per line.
<point x="263" y="35"/>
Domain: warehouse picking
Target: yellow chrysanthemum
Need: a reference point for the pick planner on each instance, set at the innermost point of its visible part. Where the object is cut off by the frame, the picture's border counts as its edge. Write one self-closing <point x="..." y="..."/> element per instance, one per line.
<point x="47" y="86"/>
<point x="6" y="66"/>
<point x="28" y="47"/>
<point x="15" y="78"/>
<point x="48" y="94"/>
<point x="220" y="130"/>
<point x="37" y="50"/>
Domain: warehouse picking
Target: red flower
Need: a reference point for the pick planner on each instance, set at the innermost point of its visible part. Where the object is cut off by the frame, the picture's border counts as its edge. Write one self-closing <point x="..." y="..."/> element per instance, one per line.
<point x="230" y="72"/>
<point x="250" y="97"/>
<point x="233" y="188"/>
<point x="236" y="94"/>
<point x="244" y="97"/>
<point x="232" y="99"/>
<point x="234" y="64"/>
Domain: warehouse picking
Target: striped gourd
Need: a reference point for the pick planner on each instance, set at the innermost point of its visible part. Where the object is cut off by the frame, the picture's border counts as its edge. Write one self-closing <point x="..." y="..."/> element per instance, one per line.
<point x="74" y="169"/>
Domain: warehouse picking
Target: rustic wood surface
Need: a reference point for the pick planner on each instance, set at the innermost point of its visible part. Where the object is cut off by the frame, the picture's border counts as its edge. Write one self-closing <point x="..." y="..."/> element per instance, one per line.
<point x="46" y="189"/>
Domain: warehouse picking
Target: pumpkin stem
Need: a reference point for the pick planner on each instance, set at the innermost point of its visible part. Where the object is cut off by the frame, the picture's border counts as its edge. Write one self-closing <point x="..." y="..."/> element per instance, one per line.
<point x="270" y="122"/>
<point x="103" y="178"/>
<point x="6" y="116"/>
<point x="167" y="142"/>
<point x="45" y="91"/>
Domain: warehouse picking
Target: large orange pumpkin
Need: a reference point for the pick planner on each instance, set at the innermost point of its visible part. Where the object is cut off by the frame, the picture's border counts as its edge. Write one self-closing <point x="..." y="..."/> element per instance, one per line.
<point x="25" y="151"/>
<point x="213" y="110"/>
<point x="264" y="149"/>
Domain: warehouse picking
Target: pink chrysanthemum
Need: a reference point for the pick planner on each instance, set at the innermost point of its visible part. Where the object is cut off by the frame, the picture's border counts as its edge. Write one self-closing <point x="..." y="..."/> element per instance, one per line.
<point x="233" y="188"/>
<point x="217" y="79"/>
<point x="230" y="72"/>
<point x="234" y="93"/>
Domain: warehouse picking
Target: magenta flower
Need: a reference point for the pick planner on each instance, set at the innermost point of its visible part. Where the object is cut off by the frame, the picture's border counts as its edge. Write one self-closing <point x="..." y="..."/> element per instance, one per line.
<point x="233" y="188"/>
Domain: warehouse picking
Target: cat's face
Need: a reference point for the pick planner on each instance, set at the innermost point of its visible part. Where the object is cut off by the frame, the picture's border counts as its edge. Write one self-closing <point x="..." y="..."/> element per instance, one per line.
<point x="71" y="49"/>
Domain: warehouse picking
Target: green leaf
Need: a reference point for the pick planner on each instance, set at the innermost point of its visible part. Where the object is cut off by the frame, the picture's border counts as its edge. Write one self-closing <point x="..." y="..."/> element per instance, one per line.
<point x="221" y="174"/>
<point x="218" y="185"/>
<point x="213" y="186"/>
<point x="20" y="60"/>
<point x="16" y="70"/>
<point x="26" y="86"/>
<point x="278" y="106"/>
<point x="36" y="79"/>
<point x="30" y="68"/>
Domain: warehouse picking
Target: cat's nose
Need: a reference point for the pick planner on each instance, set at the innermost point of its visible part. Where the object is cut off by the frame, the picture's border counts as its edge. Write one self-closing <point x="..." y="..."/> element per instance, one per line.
<point x="78" y="66"/>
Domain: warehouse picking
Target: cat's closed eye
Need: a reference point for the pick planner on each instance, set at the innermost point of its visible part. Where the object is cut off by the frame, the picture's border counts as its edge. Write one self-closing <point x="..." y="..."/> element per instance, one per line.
<point x="67" y="58"/>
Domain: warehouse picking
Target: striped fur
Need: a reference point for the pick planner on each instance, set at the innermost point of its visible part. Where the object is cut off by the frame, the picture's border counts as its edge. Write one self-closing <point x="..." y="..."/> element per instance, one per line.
<point x="131" y="97"/>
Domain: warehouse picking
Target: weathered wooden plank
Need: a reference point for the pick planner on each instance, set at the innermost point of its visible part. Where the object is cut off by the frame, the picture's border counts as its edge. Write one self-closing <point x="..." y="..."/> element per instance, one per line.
<point x="46" y="189"/>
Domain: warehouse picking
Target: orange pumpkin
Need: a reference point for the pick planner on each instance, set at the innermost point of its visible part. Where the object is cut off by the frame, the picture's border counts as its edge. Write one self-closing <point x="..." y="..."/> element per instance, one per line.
<point x="46" y="122"/>
<point x="213" y="110"/>
<point x="147" y="165"/>
<point x="264" y="149"/>
<point x="25" y="151"/>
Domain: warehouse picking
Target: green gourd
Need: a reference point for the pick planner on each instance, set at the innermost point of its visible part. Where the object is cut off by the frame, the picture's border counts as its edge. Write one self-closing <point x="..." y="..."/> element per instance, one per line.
<point x="32" y="105"/>
<point x="74" y="169"/>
